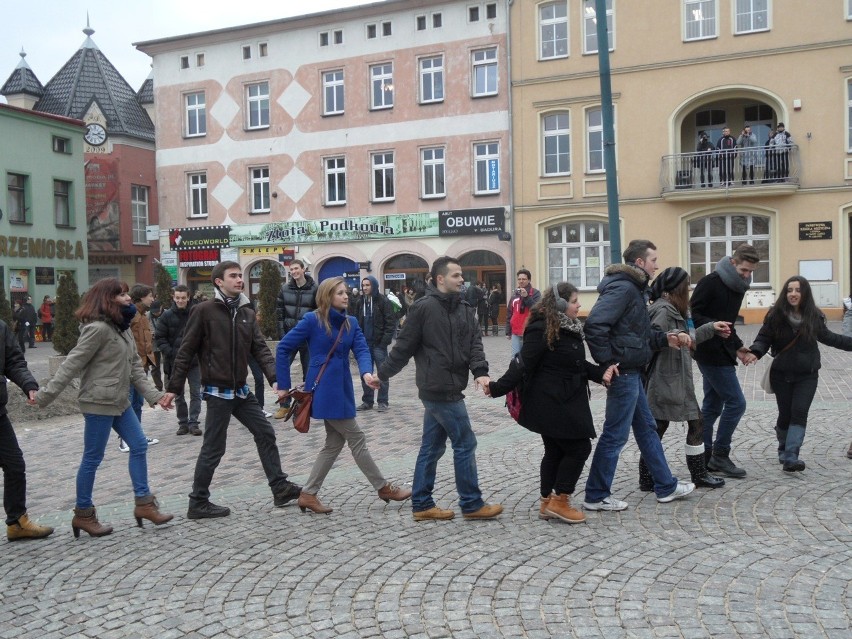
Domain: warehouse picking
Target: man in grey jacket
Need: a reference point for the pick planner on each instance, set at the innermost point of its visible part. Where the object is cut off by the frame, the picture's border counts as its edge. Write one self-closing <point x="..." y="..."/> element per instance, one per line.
<point x="442" y="335"/>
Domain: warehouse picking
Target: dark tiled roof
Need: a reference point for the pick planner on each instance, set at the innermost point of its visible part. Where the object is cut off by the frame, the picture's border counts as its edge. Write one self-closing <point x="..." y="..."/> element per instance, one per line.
<point x="89" y="77"/>
<point x="145" y="94"/>
<point x="23" y="80"/>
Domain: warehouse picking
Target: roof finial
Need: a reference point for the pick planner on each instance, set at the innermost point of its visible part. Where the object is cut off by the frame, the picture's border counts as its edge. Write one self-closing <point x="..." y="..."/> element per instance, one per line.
<point x="23" y="53"/>
<point x="88" y="30"/>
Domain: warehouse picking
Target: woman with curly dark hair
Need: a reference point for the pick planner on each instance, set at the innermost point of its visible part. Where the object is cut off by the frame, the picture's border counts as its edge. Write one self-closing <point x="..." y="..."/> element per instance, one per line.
<point x="790" y="331"/>
<point x="107" y="362"/>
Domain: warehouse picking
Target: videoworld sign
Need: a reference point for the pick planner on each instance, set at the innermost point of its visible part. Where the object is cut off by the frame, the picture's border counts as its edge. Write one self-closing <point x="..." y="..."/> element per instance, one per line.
<point x="471" y="222"/>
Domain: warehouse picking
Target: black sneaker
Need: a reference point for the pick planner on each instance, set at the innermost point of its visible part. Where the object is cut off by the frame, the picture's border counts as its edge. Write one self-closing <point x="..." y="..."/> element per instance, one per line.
<point x="794" y="466"/>
<point x="183" y="429"/>
<point x="206" y="510"/>
<point x="722" y="465"/>
<point x="364" y="406"/>
<point x="287" y="494"/>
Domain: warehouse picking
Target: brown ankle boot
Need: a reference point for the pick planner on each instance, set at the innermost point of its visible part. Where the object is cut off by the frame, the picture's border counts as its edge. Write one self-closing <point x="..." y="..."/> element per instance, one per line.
<point x="87" y="519"/>
<point x="307" y="501"/>
<point x="390" y="492"/>
<point x="542" y="510"/>
<point x="560" y="507"/>
<point x="24" y="528"/>
<point x="148" y="508"/>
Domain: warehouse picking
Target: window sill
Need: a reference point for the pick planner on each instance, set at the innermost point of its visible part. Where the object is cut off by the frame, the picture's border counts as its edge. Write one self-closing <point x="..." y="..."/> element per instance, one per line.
<point x="426" y="102"/>
<point x="332" y="204"/>
<point x="485" y="193"/>
<point x="381" y="108"/>
<point x="442" y="196"/>
<point x="389" y="200"/>
<point x="477" y="96"/>
<point x="195" y="136"/>
<point x="248" y="129"/>
<point x="332" y="114"/>
<point x="65" y="226"/>
<point x="266" y="212"/>
<point x="554" y="57"/>
<point x="20" y="222"/>
<point x="198" y="217"/>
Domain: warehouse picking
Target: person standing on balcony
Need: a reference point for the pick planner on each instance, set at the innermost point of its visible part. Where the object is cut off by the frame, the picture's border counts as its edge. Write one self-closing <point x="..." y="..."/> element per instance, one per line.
<point x="727" y="152"/>
<point x="769" y="164"/>
<point x="704" y="158"/>
<point x="747" y="142"/>
<point x="782" y="143"/>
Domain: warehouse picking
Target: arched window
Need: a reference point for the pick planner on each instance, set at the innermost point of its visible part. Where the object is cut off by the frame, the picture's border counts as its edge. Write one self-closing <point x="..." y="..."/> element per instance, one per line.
<point x="713" y="237"/>
<point x="578" y="252"/>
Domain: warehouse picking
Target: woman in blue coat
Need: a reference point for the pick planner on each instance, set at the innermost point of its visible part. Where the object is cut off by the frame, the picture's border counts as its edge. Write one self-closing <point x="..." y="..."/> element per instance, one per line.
<point x="334" y="396"/>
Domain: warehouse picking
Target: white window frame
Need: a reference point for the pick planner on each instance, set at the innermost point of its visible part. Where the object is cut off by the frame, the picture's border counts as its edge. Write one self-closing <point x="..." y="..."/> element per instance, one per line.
<point x="381" y="80"/>
<point x="139" y="213"/>
<point x="548" y="30"/>
<point x="337" y="36"/>
<point x="199" y="59"/>
<point x="689" y="8"/>
<point x="727" y="242"/>
<point x="334" y="169"/>
<point x="431" y="78"/>
<point x="387" y="28"/>
<point x="490" y="7"/>
<point x="420" y="22"/>
<point x="437" y="20"/>
<point x="474" y="13"/>
<point x="324" y="38"/>
<point x="561" y="135"/>
<point x="590" y="25"/>
<point x="484" y="64"/>
<point x="593" y="133"/>
<point x="372" y="31"/>
<point x="246" y="48"/>
<point x="746" y="8"/>
<point x="262" y="49"/>
<point x="260" y="191"/>
<point x="184" y="62"/>
<point x="383" y="187"/>
<point x="483" y="155"/>
<point x="197" y="192"/>
<point x="196" y="114"/>
<point x="433" y="172"/>
<point x="333" y="92"/>
<point x="17" y="198"/>
<point x="62" y="203"/>
<point x="255" y="105"/>
<point x="578" y="243"/>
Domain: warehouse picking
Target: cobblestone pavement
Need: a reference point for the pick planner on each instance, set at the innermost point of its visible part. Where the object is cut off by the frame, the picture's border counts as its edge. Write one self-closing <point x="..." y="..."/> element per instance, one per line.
<point x="768" y="556"/>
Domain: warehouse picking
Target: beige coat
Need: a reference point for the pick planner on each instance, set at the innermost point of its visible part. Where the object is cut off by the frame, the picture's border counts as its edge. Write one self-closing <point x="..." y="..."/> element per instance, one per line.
<point x="106" y="360"/>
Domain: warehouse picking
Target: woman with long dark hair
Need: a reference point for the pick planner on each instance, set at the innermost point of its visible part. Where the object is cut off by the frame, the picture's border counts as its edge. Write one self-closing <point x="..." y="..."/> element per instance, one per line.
<point x="107" y="362"/>
<point x="790" y="331"/>
<point x="556" y="396"/>
<point x="334" y="397"/>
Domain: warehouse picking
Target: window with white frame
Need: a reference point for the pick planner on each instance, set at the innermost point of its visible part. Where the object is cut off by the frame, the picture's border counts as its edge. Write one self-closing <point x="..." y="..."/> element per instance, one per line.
<point x="432" y="172"/>
<point x="197" y="194"/>
<point x="335" y="180"/>
<point x="590" y="26"/>
<point x="752" y="15"/>
<point x="556" y="143"/>
<point x="473" y="14"/>
<point x="196" y="114"/>
<point x="699" y="18"/>
<point x="553" y="30"/>
<point x="333" y="93"/>
<point x="184" y="62"/>
<point x="17" y="197"/>
<point x="383" y="176"/>
<point x="257" y="103"/>
<point x="432" y="79"/>
<point x="337" y="36"/>
<point x="491" y="11"/>
<point x="594" y="141"/>
<point x="199" y="59"/>
<point x="437" y="20"/>
<point x="387" y="29"/>
<point x="420" y="23"/>
<point x="484" y="72"/>
<point x="61" y="203"/>
<point x="714" y="237"/>
<point x="381" y="79"/>
<point x="247" y="52"/>
<point x="486" y="168"/>
<point x="262" y="49"/>
<point x="371" y="31"/>
<point x="260" y="202"/>
<point x="578" y="252"/>
<point x="139" y="213"/>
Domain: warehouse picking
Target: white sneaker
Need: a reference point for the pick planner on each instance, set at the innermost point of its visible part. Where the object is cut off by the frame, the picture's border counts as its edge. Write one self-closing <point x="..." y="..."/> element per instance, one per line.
<point x="608" y="503"/>
<point x="122" y="446"/>
<point x="266" y="414"/>
<point x="152" y="441"/>
<point x="682" y="489"/>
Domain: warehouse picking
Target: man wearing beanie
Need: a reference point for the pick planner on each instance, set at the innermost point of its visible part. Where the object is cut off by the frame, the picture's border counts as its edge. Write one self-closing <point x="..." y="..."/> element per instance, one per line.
<point x="222" y="333"/>
<point x="719" y="296"/>
<point x="618" y="331"/>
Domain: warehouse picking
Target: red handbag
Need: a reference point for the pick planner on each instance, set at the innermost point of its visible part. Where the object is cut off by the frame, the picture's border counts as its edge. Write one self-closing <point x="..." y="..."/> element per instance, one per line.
<point x="300" y="406"/>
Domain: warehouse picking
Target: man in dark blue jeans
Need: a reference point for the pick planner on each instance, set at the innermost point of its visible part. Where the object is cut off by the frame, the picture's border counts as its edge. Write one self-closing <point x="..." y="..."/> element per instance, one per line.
<point x="442" y="335"/>
<point x="619" y="331"/>
<point x="378" y="323"/>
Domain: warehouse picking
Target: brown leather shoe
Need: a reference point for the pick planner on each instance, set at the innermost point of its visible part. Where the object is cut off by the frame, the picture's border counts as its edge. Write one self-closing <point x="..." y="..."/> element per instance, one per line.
<point x="281" y="413"/>
<point x="307" y="501"/>
<point x="86" y="519"/>
<point x="148" y="508"/>
<point x="488" y="511"/>
<point x="561" y="508"/>
<point x="390" y="492"/>
<point x="433" y="513"/>
<point x="542" y="509"/>
<point x="24" y="528"/>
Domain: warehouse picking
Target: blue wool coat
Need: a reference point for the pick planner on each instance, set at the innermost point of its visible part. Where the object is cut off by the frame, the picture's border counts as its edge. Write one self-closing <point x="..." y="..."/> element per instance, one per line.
<point x="334" y="398"/>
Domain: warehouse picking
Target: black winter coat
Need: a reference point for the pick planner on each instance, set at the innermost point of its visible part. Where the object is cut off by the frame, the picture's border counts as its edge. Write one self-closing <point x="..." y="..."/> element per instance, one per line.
<point x="556" y="389"/>
<point x="713" y="301"/>
<point x="294" y="302"/>
<point x="384" y="320"/>
<point x="169" y="334"/>
<point x="803" y="357"/>
<point x="13" y="365"/>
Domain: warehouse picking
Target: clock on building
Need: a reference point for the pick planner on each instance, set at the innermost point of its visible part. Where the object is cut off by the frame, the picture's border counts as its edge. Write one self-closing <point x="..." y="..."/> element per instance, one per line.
<point x="95" y="134"/>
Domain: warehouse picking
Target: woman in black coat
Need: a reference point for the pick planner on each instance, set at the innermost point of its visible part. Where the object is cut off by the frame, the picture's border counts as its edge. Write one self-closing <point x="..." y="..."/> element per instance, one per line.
<point x="555" y="396"/>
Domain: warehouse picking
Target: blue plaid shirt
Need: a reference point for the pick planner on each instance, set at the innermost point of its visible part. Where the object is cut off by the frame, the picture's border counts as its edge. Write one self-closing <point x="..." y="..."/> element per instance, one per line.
<point x="227" y="393"/>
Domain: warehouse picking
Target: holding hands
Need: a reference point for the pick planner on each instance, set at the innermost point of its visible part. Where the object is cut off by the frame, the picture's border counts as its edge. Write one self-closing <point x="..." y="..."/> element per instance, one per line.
<point x="372" y="381"/>
<point x="611" y="371"/>
<point x="723" y="329"/>
<point x="746" y="356"/>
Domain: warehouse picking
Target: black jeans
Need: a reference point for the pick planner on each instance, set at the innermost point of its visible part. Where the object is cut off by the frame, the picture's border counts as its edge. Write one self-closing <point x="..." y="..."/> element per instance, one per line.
<point x="793" y="395"/>
<point x="562" y="464"/>
<point x="14" y="472"/>
<point x="249" y="414"/>
<point x="257" y="373"/>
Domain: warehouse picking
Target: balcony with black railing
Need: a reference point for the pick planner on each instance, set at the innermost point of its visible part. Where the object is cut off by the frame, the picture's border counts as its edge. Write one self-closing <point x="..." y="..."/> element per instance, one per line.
<point x="742" y="172"/>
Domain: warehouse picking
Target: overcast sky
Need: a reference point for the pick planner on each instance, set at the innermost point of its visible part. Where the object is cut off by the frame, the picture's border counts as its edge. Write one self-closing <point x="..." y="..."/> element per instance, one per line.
<point x="50" y="31"/>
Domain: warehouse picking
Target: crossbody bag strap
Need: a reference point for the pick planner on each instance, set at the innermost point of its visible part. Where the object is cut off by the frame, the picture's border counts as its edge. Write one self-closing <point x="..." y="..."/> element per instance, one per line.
<point x="790" y="345"/>
<point x="328" y="357"/>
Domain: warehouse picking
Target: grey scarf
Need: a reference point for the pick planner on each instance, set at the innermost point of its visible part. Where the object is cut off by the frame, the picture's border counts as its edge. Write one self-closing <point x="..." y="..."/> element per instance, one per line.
<point x="571" y="325"/>
<point x="730" y="277"/>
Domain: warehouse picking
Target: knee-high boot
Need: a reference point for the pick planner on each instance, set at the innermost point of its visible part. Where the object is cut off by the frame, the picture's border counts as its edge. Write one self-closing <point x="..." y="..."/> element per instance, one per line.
<point x="781" y="436"/>
<point x="698" y="469"/>
<point x="795" y="437"/>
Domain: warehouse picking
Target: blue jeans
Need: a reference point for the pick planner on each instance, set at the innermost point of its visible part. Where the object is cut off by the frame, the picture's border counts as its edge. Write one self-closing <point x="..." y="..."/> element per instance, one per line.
<point x="723" y="400"/>
<point x="136" y="402"/>
<point x="95" y="437"/>
<point x="442" y="420"/>
<point x="379" y="355"/>
<point x="626" y="406"/>
<point x="517" y="342"/>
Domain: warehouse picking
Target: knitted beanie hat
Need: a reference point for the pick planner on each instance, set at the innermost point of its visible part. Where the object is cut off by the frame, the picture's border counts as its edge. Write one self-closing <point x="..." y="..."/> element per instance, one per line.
<point x="667" y="281"/>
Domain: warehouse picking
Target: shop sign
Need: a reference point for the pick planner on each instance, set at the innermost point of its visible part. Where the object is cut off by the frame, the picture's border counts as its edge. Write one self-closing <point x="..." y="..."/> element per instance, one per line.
<point x="199" y="257"/>
<point x="199" y="237"/>
<point x="394" y="276"/>
<point x="815" y="230"/>
<point x="347" y="229"/>
<point x="45" y="276"/>
<point x="472" y="221"/>
<point x="38" y="247"/>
